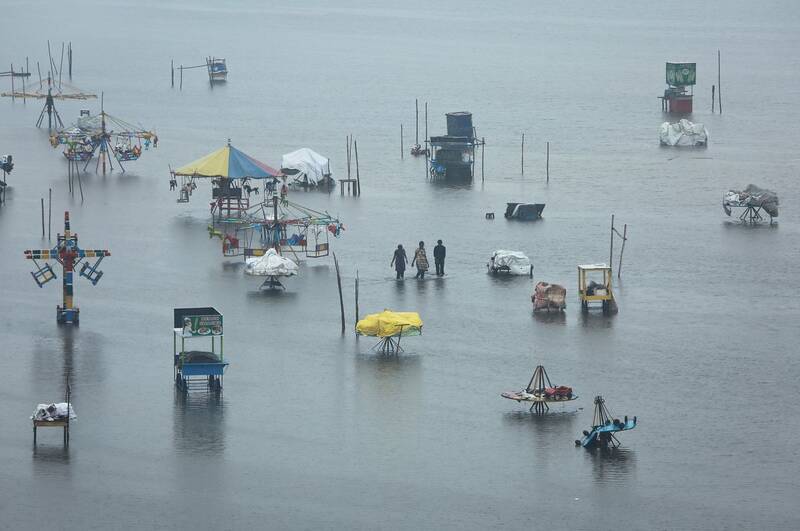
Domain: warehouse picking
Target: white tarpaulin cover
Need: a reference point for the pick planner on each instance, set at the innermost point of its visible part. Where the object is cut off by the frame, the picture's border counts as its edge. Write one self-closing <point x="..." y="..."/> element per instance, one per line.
<point x="683" y="133"/>
<point x="751" y="196"/>
<point x="513" y="262"/>
<point x="54" y="412"/>
<point x="307" y="162"/>
<point x="271" y="264"/>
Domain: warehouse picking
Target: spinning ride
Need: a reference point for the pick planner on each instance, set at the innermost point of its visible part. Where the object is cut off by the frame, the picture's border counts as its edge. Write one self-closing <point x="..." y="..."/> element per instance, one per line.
<point x="541" y="392"/>
<point x="604" y="427"/>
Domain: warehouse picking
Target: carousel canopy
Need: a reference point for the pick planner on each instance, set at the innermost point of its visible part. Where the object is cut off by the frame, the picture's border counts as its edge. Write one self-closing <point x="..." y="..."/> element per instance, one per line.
<point x="390" y="324"/>
<point x="228" y="162"/>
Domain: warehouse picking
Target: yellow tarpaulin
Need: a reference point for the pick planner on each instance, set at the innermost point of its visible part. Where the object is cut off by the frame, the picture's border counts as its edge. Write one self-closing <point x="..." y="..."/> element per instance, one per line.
<point x="390" y="324"/>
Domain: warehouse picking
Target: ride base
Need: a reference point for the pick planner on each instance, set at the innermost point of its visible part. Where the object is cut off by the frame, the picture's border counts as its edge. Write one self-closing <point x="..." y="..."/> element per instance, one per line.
<point x="67" y="315"/>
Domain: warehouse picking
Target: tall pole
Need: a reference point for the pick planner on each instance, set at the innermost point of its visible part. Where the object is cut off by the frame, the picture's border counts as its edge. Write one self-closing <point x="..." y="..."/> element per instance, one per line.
<point x="49" y="211"/>
<point x="43" y="218"/>
<point x="611" y="248"/>
<point x="547" y="166"/>
<point x="401" y="141"/>
<point x="522" y="155"/>
<point x="719" y="81"/>
<point x="358" y="176"/>
<point x="339" y="283"/>
<point x="483" y="145"/>
<point x="416" y="121"/>
<point x="622" y="250"/>
<point x="427" y="157"/>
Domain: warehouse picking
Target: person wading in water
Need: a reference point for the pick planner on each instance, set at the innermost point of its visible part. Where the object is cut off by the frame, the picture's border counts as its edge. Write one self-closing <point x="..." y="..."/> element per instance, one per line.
<point x="399" y="261"/>
<point x="439" y="253"/>
<point x="421" y="260"/>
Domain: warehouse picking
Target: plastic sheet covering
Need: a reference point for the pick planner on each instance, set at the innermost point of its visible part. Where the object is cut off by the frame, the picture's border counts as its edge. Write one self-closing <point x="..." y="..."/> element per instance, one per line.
<point x="549" y="297"/>
<point x="752" y="196"/>
<point x="270" y="264"/>
<point x="51" y="412"/>
<point x="390" y="324"/>
<point x="683" y="133"/>
<point x="513" y="262"/>
<point x="307" y="162"/>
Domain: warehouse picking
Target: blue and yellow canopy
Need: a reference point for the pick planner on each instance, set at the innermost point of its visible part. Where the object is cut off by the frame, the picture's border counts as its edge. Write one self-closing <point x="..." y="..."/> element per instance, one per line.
<point x="230" y="163"/>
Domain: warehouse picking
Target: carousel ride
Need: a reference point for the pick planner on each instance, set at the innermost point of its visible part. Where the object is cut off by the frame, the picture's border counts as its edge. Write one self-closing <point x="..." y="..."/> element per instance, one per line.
<point x="105" y="137"/>
<point x="50" y="89"/>
<point x="390" y="327"/>
<point x="540" y="392"/>
<point x="604" y="427"/>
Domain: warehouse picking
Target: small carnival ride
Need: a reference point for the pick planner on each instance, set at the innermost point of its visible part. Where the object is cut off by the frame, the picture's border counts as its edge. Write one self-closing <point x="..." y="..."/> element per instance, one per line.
<point x="197" y="369"/>
<point x="390" y="327"/>
<point x="50" y="89"/>
<point x="549" y="297"/>
<point x="592" y="292"/>
<point x="69" y="255"/>
<point x="752" y="201"/>
<point x="604" y="427"/>
<point x="504" y="262"/>
<point x="540" y="392"/>
<point x="272" y="266"/>
<point x="104" y="136"/>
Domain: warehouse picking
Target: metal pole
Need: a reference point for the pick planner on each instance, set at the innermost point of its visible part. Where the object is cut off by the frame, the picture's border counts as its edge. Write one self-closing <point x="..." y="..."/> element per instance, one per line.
<point x="547" y="167"/>
<point x="43" y="218"/>
<point x="522" y="155"/>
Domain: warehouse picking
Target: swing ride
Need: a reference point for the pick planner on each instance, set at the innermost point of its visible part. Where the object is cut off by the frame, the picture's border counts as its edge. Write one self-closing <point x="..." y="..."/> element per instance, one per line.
<point x="50" y="90"/>
<point x="604" y="427"/>
<point x="289" y="228"/>
<point x="69" y="255"/>
<point x="541" y="392"/>
<point x="390" y="327"/>
<point x="103" y="135"/>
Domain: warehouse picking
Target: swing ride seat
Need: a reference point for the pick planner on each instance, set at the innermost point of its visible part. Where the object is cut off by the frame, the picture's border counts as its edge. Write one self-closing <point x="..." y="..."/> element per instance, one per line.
<point x="78" y="156"/>
<point x="126" y="155"/>
<point x="320" y="250"/>
<point x="612" y="426"/>
<point x="183" y="196"/>
<point x="43" y="275"/>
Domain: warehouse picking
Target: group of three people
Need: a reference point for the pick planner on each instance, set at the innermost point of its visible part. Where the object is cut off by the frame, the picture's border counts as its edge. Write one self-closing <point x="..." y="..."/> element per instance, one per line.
<point x="399" y="260"/>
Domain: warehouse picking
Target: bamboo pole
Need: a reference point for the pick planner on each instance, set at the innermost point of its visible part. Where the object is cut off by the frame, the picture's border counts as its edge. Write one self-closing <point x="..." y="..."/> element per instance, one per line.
<point x="339" y="283"/>
<point x="427" y="157"/>
<point x="172" y="71"/>
<point x="401" y="141"/>
<point x="181" y="85"/>
<point x="416" y="120"/>
<point x="719" y="81"/>
<point x="12" y="82"/>
<point x="357" y="313"/>
<point x="712" y="98"/>
<point x="622" y="250"/>
<point x="49" y="211"/>
<point x="547" y="164"/>
<point x="69" y="60"/>
<point x="483" y="145"/>
<point x="43" y="218"/>
<point x="522" y="155"/>
<point x="611" y="248"/>
<point x="61" y="65"/>
<point x="358" y="176"/>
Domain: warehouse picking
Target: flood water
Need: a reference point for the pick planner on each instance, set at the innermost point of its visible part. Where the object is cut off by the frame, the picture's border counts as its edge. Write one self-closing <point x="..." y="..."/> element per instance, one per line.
<point x="313" y="429"/>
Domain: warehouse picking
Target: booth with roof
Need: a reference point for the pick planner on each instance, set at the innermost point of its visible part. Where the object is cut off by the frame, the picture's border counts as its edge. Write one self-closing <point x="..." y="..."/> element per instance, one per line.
<point x="198" y="369"/>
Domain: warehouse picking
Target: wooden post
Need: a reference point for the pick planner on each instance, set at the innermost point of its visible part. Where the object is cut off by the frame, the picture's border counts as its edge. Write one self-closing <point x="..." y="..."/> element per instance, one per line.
<point x="522" y="155"/>
<point x="61" y="65"/>
<point x="712" y="98"/>
<point x="43" y="218"/>
<point x="347" y="154"/>
<point x="181" y="85"/>
<point x="339" y="283"/>
<point x="12" y="81"/>
<point x="416" y="120"/>
<point x="719" y="81"/>
<point x="622" y="250"/>
<point x="427" y="157"/>
<point x="49" y="211"/>
<point x="358" y="177"/>
<point x="172" y="71"/>
<point x="69" y="59"/>
<point x="357" y="297"/>
<point x="547" y="164"/>
<point x="611" y="249"/>
<point x="401" y="141"/>
<point x="483" y="145"/>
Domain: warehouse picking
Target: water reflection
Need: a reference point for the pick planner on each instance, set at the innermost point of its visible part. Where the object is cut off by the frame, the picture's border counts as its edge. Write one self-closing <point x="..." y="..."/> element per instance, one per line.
<point x="611" y="465"/>
<point x="558" y="318"/>
<point x="199" y="423"/>
<point x="597" y="320"/>
<point x="50" y="455"/>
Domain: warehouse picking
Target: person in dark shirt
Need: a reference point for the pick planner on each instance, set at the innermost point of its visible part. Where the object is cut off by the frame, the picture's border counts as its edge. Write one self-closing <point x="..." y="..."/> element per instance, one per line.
<point x="399" y="261"/>
<point x="439" y="253"/>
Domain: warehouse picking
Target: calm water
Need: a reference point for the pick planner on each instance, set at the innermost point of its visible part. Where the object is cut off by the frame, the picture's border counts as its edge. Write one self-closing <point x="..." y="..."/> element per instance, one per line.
<point x="313" y="429"/>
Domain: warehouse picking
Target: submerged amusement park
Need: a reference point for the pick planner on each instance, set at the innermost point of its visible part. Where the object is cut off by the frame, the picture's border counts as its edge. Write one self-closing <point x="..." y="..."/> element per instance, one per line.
<point x="423" y="268"/>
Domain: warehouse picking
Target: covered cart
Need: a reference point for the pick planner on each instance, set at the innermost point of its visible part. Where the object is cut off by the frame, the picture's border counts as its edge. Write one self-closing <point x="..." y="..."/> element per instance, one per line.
<point x="194" y="369"/>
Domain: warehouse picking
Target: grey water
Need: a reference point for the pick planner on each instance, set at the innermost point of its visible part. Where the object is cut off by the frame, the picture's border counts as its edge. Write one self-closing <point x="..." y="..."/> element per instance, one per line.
<point x="313" y="429"/>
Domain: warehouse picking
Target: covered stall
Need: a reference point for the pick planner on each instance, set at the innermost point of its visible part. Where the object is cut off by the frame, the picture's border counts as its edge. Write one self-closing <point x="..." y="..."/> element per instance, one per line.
<point x="195" y="369"/>
<point x="307" y="168"/>
<point x="390" y="327"/>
